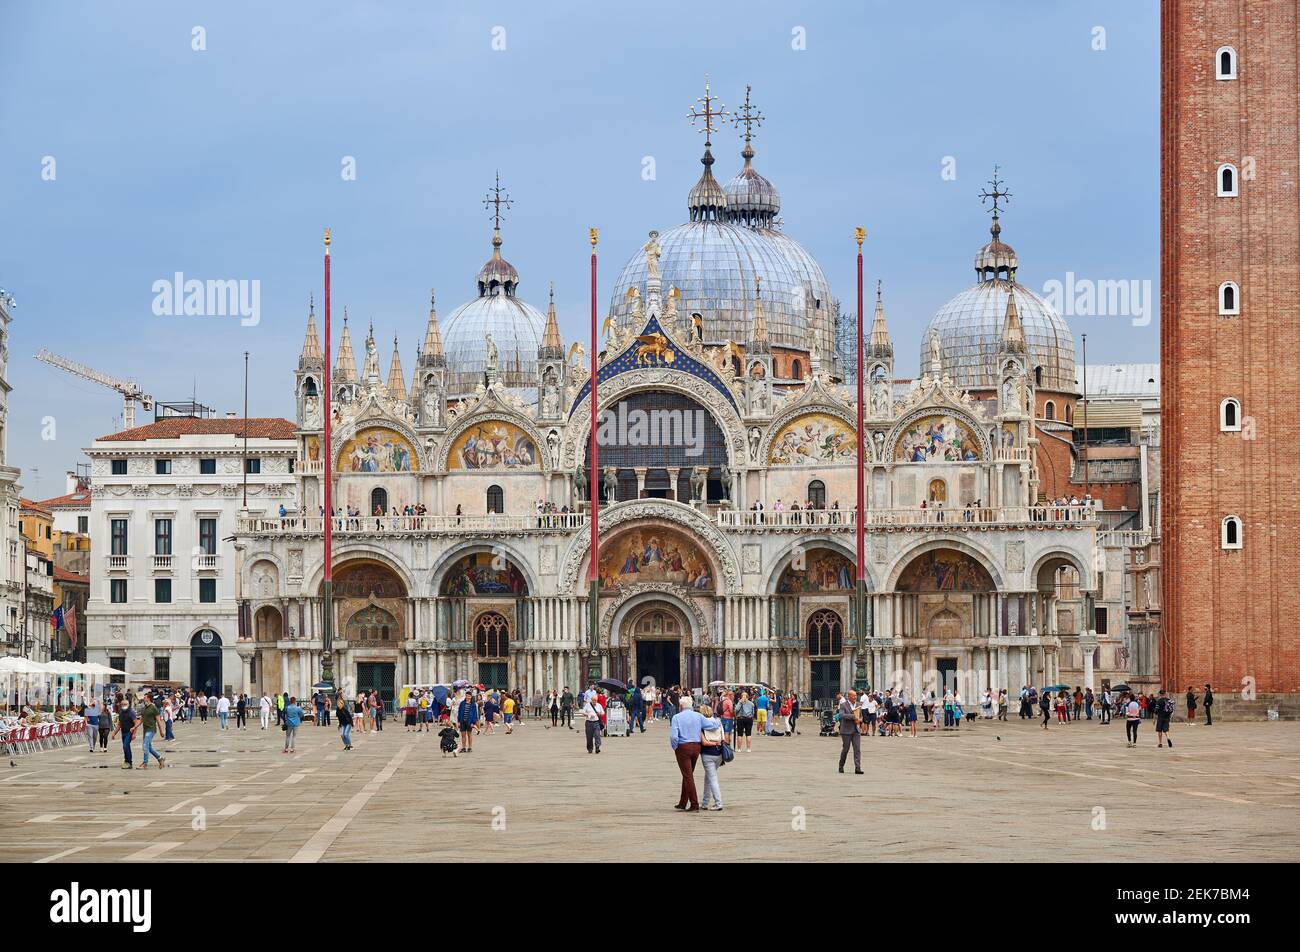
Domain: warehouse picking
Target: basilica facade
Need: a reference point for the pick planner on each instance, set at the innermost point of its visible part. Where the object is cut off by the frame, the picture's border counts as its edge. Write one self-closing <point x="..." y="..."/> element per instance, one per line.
<point x="726" y="488"/>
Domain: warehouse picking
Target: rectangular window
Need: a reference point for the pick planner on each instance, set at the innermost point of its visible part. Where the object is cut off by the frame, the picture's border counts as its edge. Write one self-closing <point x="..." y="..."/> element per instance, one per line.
<point x="207" y="590"/>
<point x="208" y="467"/>
<point x="117" y="536"/>
<point x="117" y="591"/>
<point x="208" y="536"/>
<point x="162" y="537"/>
<point x="162" y="591"/>
<point x="1103" y="627"/>
<point x="118" y="662"/>
<point x="162" y="467"/>
<point x="119" y="467"/>
<point x="162" y="669"/>
<point x="83" y="525"/>
<point x="252" y="466"/>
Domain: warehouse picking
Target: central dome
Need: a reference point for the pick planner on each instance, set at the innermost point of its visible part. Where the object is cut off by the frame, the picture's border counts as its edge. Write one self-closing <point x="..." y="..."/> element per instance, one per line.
<point x="715" y="258"/>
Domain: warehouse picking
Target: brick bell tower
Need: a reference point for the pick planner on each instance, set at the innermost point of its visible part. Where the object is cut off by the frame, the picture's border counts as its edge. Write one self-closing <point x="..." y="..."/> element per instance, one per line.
<point x="1230" y="344"/>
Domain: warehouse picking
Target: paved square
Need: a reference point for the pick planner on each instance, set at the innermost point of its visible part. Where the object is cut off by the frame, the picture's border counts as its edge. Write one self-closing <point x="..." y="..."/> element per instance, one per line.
<point x="1228" y="792"/>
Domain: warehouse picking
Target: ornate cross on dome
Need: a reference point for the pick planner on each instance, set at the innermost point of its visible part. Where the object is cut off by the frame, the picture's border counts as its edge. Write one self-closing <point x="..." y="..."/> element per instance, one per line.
<point x="496" y="197"/>
<point x="748" y="116"/>
<point x="712" y="117"/>
<point x="996" y="194"/>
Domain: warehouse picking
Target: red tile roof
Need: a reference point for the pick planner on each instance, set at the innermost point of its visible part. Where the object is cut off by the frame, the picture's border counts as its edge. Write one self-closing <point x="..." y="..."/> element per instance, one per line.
<point x="78" y="500"/>
<point x="172" y="428"/>
<point x="65" y="575"/>
<point x="34" y="506"/>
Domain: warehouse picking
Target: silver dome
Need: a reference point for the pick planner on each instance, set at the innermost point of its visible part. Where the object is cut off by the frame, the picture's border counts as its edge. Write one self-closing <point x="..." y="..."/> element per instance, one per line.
<point x="819" y="308"/>
<point x="713" y="264"/>
<point x="751" y="198"/>
<point x="516" y="328"/>
<point x="970" y="334"/>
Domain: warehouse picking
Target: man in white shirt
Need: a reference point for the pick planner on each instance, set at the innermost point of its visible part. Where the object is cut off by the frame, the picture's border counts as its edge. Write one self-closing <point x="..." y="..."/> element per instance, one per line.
<point x="264" y="709"/>
<point x="223" y="711"/>
<point x="591" y="722"/>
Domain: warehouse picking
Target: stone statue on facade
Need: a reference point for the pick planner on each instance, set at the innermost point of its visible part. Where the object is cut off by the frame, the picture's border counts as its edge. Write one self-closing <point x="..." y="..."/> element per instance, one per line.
<point x="699" y="484"/>
<point x="652" y="254"/>
<point x="580" y="482"/>
<point x="726" y="484"/>
<point x="491" y="362"/>
<point x="611" y="484"/>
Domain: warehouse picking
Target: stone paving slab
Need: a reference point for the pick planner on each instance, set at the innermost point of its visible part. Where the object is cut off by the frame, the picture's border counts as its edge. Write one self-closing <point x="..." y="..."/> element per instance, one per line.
<point x="991" y="791"/>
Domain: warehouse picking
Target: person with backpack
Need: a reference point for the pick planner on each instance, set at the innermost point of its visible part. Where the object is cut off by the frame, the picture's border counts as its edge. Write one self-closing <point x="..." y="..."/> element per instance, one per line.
<point x="1164" y="713"/>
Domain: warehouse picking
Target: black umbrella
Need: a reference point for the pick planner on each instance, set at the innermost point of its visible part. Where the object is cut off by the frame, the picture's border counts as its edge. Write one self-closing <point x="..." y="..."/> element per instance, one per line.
<point x="613" y="684"/>
<point x="1120" y="687"/>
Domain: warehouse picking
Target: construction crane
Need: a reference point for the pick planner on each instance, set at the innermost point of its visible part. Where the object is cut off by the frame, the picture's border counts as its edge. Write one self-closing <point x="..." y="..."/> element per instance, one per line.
<point x="131" y="391"/>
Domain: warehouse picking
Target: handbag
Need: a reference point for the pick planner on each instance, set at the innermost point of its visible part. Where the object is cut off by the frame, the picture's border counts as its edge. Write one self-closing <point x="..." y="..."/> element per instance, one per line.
<point x="728" y="755"/>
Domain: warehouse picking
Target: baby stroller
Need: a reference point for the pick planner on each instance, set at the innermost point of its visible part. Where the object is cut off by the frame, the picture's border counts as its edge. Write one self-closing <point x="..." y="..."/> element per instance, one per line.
<point x="827" y="724"/>
<point x="449" y="741"/>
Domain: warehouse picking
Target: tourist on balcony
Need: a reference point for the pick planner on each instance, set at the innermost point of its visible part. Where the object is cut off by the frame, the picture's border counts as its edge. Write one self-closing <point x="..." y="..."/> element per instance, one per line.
<point x="835" y="513"/>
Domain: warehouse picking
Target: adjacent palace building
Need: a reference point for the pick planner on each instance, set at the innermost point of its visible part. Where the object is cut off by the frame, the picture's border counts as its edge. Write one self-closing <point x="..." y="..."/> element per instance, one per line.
<point x="726" y="489"/>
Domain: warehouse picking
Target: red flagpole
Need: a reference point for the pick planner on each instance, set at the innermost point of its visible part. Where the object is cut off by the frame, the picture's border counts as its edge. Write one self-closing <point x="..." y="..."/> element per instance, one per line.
<point x="593" y="453"/>
<point x="860" y="675"/>
<point x="327" y="655"/>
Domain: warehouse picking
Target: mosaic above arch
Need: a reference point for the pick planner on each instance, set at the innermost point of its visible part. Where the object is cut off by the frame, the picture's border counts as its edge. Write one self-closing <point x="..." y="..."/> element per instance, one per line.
<point x="654" y="553"/>
<point x="377" y="449"/>
<point x="945" y="570"/>
<point x="823" y="570"/>
<point x="937" y="438"/>
<point x="493" y="445"/>
<point x="483" y="573"/>
<point x="813" y="438"/>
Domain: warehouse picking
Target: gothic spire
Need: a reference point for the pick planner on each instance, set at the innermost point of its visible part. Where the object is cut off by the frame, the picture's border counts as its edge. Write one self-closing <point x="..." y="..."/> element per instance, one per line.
<point x="312" y="355"/>
<point x="345" y="366"/>
<point x="431" y="351"/>
<point x="1013" y="332"/>
<point x="879" y="345"/>
<point x="552" y="343"/>
<point x="396" y="385"/>
<point x="759" y="337"/>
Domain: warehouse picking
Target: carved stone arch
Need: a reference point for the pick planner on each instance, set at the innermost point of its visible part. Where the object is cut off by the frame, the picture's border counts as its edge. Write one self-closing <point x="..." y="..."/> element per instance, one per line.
<point x="482" y="414"/>
<point x="1059" y="554"/>
<point x="808" y="543"/>
<point x="669" y="511"/>
<point x="251" y="561"/>
<point x="789" y="414"/>
<point x="364" y="551"/>
<point x="349" y="430"/>
<point x="444" y="562"/>
<point x="218" y="642"/>
<point x="611" y="391"/>
<point x="977" y="428"/>
<point x="627" y="600"/>
<point x="985" y="556"/>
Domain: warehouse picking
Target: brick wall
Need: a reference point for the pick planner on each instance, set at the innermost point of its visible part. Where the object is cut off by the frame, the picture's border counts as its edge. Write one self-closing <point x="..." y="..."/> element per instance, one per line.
<point x="1229" y="614"/>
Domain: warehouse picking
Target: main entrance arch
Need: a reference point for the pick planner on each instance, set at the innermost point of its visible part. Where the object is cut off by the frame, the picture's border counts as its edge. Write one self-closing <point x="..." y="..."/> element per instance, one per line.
<point x="654" y="632"/>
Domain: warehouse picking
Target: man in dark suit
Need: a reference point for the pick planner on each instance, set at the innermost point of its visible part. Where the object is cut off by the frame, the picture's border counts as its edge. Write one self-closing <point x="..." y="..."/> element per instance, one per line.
<point x="1208" y="704"/>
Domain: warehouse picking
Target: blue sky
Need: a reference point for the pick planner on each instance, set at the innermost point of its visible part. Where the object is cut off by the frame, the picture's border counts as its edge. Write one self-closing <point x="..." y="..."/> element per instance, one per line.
<point x="226" y="163"/>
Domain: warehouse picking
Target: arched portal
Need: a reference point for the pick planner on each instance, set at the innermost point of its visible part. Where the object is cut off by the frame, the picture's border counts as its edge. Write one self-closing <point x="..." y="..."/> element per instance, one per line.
<point x="654" y="632"/>
<point x="371" y="606"/>
<point x="205" y="661"/>
<point x="945" y="609"/>
<point x="666" y="434"/>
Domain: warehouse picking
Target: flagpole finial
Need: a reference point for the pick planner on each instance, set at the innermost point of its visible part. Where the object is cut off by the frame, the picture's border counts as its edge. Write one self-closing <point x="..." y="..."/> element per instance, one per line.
<point x="859" y="235"/>
<point x="594" y="236"/>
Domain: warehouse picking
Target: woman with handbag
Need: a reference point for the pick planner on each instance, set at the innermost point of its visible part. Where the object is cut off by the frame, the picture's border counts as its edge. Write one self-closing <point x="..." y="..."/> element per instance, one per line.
<point x="711" y="740"/>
